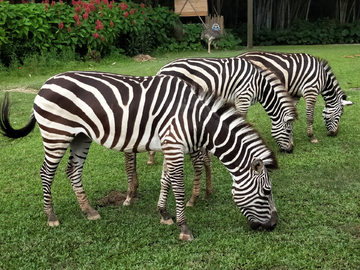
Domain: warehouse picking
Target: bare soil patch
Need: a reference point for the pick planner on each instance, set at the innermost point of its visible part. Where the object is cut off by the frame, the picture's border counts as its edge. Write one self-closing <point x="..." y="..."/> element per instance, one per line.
<point x="24" y="90"/>
<point x="115" y="198"/>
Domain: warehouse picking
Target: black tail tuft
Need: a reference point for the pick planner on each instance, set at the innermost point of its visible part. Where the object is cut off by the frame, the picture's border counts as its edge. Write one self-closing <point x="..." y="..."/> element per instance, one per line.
<point x="5" y="127"/>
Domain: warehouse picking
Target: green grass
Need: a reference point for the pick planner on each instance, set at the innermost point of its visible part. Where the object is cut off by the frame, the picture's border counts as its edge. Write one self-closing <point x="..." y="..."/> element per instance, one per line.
<point x="316" y="191"/>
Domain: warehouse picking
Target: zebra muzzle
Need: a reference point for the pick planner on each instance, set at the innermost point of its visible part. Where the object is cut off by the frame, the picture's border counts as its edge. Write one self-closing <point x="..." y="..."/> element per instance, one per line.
<point x="269" y="226"/>
<point x="332" y="133"/>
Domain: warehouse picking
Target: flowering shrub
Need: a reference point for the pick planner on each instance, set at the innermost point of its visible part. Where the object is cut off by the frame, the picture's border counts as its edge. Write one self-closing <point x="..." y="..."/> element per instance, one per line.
<point x="96" y="25"/>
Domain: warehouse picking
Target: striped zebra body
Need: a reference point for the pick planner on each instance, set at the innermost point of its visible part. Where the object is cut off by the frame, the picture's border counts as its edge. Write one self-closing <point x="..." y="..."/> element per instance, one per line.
<point x="136" y="114"/>
<point x="306" y="76"/>
<point x="239" y="82"/>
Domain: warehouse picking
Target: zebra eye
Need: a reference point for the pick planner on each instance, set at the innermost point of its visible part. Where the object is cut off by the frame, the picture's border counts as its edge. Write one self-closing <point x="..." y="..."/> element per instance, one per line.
<point x="267" y="191"/>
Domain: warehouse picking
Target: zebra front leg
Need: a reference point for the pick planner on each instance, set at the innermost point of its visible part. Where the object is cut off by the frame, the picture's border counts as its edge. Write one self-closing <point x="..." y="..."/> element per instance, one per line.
<point x="164" y="191"/>
<point x="310" y="106"/>
<point x="79" y="149"/>
<point x="151" y="158"/>
<point x="208" y="166"/>
<point x="197" y="161"/>
<point x="133" y="182"/>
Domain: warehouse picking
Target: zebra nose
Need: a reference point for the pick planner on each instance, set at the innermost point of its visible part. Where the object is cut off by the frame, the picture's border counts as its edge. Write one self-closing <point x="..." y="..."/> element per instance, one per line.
<point x="269" y="226"/>
<point x="332" y="133"/>
<point x="288" y="150"/>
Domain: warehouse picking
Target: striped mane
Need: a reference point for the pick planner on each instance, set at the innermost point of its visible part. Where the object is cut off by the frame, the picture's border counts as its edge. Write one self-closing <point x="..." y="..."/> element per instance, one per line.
<point x="227" y="113"/>
<point x="330" y="74"/>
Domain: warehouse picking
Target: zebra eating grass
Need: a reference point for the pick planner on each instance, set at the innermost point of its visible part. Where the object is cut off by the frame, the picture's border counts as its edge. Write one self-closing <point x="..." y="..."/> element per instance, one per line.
<point x="306" y="76"/>
<point x="138" y="114"/>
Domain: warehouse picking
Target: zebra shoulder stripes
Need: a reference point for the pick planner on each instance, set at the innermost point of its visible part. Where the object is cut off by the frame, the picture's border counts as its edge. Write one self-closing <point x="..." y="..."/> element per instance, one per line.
<point x="137" y="114"/>
<point x="238" y="81"/>
<point x="306" y="76"/>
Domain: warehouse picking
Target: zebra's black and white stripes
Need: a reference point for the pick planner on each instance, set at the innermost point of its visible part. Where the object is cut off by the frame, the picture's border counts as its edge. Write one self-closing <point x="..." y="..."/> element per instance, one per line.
<point x="238" y="81"/>
<point x="136" y="114"/>
<point x="306" y="76"/>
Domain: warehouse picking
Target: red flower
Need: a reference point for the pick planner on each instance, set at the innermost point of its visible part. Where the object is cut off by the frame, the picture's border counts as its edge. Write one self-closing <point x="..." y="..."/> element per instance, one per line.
<point x="96" y="35"/>
<point x="78" y="9"/>
<point x="87" y="10"/>
<point x="142" y="5"/>
<point x="97" y="2"/>
<point x="126" y="14"/>
<point x="69" y="29"/>
<point x="100" y="7"/>
<point x="99" y="25"/>
<point x="46" y="1"/>
<point x="132" y="22"/>
<point x="101" y="14"/>
<point x="76" y="17"/>
<point x="61" y="2"/>
<point x="136" y="10"/>
<point x="61" y="25"/>
<point x="53" y="3"/>
<point x="131" y="11"/>
<point x="110" y="6"/>
<point x="123" y="6"/>
<point x="85" y="16"/>
<point x="143" y="12"/>
<point x="92" y="7"/>
<point x="111" y="24"/>
<point x="146" y="18"/>
<point x="102" y="38"/>
<point x="78" y="22"/>
<point x="19" y="67"/>
<point x="46" y="7"/>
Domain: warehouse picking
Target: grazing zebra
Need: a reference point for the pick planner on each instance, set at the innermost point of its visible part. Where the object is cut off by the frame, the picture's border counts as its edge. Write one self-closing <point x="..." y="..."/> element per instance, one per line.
<point x="138" y="114"/>
<point x="306" y="76"/>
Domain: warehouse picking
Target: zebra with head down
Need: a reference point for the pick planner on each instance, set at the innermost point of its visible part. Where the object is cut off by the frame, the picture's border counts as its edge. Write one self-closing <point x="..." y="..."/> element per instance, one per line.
<point x="306" y="76"/>
<point x="138" y="114"/>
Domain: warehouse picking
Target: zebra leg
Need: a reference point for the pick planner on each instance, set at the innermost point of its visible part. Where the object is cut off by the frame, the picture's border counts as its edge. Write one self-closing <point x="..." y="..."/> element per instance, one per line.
<point x="174" y="159"/>
<point x="151" y="158"/>
<point x="79" y="149"/>
<point x="133" y="182"/>
<point x="208" y="166"/>
<point x="310" y="106"/>
<point x="47" y="173"/>
<point x="164" y="191"/>
<point x="197" y="161"/>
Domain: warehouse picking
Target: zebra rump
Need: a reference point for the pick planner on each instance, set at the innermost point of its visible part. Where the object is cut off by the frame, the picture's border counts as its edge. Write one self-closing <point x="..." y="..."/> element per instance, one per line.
<point x="137" y="114"/>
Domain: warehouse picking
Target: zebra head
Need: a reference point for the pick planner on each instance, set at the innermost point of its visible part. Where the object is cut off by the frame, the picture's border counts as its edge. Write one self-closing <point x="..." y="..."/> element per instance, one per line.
<point x="332" y="114"/>
<point x="255" y="198"/>
<point x="335" y="100"/>
<point x="282" y="132"/>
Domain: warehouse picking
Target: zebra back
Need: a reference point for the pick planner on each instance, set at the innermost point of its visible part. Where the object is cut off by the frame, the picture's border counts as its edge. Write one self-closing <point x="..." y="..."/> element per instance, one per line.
<point x="238" y="81"/>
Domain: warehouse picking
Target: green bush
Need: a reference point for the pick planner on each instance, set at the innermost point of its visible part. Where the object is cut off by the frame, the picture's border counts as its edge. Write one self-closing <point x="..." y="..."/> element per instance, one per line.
<point x="84" y="27"/>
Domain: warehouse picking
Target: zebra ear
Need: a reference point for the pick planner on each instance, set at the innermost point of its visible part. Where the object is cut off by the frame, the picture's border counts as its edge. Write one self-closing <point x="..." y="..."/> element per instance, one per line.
<point x="257" y="165"/>
<point x="289" y="118"/>
<point x="346" y="102"/>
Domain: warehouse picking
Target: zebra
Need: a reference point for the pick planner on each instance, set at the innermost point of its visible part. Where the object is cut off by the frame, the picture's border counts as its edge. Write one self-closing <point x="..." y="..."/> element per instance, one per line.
<point x="237" y="81"/>
<point x="138" y="114"/>
<point x="306" y="76"/>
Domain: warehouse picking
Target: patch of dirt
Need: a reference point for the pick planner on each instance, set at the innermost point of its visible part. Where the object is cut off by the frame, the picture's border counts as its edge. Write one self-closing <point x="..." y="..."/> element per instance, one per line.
<point x="143" y="58"/>
<point x="353" y="229"/>
<point x="115" y="198"/>
<point x="24" y="90"/>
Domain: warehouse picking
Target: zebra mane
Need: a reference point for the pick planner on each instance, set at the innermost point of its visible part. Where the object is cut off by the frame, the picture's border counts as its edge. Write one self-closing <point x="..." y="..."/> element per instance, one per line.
<point x="325" y="64"/>
<point x="279" y="87"/>
<point x="227" y="113"/>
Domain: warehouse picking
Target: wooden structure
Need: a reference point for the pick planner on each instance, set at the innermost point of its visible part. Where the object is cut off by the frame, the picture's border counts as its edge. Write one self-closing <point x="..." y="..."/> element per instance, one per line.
<point x="191" y="8"/>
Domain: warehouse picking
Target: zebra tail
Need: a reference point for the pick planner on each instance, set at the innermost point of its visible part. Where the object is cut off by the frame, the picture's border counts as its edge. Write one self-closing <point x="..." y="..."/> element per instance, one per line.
<point x="5" y="127"/>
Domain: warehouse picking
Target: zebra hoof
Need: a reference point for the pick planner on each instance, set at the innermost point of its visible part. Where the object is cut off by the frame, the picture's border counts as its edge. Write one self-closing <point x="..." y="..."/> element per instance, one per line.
<point x="150" y="163"/>
<point x="167" y="221"/>
<point x="53" y="223"/>
<point x="190" y="204"/>
<point x="126" y="203"/>
<point x="186" y="237"/>
<point x="94" y="215"/>
<point x="314" y="140"/>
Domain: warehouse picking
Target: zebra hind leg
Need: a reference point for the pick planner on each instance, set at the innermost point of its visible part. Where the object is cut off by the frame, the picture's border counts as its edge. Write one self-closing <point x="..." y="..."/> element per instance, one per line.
<point x="151" y="158"/>
<point x="165" y="187"/>
<point x="79" y="149"/>
<point x="133" y="182"/>
<point x="208" y="166"/>
<point x="54" y="152"/>
<point x="197" y="161"/>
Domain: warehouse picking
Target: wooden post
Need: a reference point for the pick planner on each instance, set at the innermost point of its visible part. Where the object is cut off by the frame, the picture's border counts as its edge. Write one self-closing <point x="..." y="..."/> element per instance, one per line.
<point x="250" y="27"/>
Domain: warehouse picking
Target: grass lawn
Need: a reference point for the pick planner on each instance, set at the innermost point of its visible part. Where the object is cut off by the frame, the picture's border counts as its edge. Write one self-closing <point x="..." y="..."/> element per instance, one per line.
<point x="316" y="192"/>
